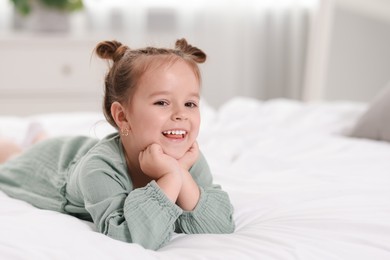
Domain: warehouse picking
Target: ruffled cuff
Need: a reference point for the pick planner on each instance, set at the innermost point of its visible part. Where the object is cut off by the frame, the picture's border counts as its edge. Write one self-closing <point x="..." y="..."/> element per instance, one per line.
<point x="212" y="214"/>
<point x="150" y="216"/>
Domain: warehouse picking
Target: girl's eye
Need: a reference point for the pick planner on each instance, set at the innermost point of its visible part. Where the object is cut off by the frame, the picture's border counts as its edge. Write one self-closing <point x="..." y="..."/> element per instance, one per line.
<point x="161" y="103"/>
<point x="191" y="104"/>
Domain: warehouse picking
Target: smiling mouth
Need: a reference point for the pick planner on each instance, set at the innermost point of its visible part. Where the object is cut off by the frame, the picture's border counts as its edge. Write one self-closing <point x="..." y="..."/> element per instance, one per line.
<point x="176" y="134"/>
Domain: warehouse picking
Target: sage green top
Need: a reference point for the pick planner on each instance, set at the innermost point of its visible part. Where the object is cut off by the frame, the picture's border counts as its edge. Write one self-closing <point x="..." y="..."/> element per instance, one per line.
<point x="88" y="178"/>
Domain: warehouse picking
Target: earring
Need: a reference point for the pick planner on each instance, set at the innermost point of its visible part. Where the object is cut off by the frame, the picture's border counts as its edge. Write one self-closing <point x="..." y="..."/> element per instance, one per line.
<point x="125" y="131"/>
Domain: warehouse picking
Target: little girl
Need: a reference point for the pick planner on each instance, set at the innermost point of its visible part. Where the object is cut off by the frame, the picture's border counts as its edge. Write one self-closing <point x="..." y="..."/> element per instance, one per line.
<point x="146" y="181"/>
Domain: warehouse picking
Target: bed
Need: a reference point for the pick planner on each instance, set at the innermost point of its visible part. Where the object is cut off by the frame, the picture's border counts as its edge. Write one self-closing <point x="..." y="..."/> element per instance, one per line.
<point x="302" y="188"/>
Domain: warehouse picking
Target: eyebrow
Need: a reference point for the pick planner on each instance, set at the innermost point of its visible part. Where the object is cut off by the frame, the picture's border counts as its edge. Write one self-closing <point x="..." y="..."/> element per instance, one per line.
<point x="160" y="93"/>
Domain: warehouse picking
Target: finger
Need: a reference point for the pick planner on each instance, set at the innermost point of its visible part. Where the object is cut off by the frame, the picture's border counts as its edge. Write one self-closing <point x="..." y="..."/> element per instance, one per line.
<point x="195" y="146"/>
<point x="155" y="149"/>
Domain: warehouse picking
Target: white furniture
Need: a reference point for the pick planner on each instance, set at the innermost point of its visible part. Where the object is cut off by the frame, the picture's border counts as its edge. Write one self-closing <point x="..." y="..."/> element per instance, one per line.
<point x="57" y="73"/>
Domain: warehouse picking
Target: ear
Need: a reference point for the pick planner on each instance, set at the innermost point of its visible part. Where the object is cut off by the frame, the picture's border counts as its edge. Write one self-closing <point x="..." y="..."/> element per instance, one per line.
<point x="118" y="113"/>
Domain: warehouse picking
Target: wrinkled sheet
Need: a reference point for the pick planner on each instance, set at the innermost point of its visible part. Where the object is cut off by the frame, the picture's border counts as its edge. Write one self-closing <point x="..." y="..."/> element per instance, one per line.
<point x="301" y="188"/>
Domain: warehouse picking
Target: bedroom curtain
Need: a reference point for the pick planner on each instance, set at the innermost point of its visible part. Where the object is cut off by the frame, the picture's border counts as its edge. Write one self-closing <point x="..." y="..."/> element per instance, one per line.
<point x="282" y="37"/>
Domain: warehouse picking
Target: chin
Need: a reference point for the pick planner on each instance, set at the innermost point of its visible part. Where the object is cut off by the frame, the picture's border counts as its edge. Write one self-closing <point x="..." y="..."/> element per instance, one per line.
<point x="176" y="153"/>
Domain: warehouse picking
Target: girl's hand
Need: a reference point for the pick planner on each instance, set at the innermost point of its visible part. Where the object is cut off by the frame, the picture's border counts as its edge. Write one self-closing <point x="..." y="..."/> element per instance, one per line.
<point x="190" y="157"/>
<point x="155" y="163"/>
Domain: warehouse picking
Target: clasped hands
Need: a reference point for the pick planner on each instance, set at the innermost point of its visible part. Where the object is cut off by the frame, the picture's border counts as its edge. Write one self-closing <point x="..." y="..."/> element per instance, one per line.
<point x="155" y="163"/>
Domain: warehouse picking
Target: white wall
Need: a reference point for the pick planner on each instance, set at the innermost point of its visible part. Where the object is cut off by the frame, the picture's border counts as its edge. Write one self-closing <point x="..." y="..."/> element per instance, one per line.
<point x="359" y="57"/>
<point x="349" y="54"/>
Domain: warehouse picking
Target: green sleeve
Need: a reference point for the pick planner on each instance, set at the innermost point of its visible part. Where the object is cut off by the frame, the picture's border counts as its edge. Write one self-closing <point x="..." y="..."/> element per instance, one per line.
<point x="144" y="216"/>
<point x="213" y="212"/>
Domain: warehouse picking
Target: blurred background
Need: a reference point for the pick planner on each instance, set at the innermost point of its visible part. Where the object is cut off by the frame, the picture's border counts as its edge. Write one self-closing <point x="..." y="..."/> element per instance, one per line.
<point x="309" y="50"/>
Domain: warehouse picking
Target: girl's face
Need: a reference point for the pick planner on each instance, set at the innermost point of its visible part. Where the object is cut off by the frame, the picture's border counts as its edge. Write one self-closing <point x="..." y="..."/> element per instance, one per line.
<point x="164" y="109"/>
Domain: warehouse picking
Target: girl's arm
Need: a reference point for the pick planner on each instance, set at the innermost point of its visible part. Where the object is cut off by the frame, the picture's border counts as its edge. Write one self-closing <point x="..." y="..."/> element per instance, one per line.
<point x="162" y="168"/>
<point x="189" y="192"/>
<point x="213" y="212"/>
<point x="207" y="208"/>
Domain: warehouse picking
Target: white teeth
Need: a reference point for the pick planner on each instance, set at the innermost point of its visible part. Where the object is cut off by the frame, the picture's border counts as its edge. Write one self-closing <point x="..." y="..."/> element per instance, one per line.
<point x="174" y="132"/>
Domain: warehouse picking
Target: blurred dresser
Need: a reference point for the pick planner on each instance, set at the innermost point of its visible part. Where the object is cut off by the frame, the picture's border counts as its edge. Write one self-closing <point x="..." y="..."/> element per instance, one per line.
<point x="49" y="74"/>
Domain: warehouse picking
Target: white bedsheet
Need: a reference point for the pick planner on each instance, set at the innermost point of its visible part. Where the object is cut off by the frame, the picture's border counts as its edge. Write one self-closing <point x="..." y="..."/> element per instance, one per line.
<point x="301" y="189"/>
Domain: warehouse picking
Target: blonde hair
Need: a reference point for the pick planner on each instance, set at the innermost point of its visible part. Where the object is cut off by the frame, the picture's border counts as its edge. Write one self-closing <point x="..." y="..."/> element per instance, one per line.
<point x="128" y="65"/>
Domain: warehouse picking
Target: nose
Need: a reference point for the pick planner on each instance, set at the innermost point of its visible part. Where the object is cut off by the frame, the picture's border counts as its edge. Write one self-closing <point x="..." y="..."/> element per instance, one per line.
<point x="179" y="114"/>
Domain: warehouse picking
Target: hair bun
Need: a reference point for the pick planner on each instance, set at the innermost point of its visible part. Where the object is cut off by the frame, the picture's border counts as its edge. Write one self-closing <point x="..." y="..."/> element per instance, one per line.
<point x="111" y="50"/>
<point x="196" y="54"/>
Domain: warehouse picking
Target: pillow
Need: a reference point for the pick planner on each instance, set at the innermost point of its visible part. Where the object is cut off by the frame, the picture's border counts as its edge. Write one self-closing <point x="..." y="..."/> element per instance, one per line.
<point x="375" y="121"/>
